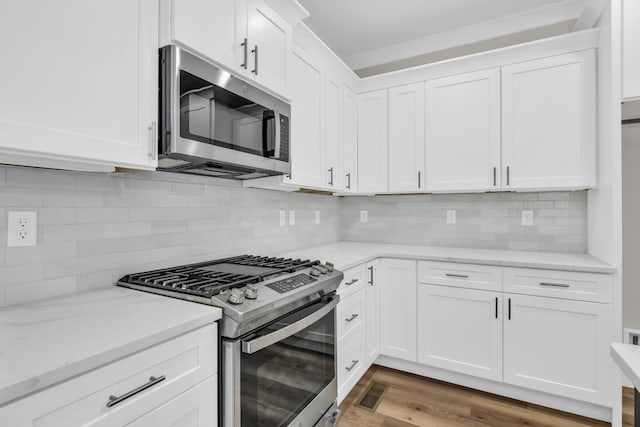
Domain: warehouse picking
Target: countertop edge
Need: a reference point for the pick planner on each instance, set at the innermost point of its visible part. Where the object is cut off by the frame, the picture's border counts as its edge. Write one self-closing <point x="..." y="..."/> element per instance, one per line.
<point x="25" y="387"/>
<point x="616" y="352"/>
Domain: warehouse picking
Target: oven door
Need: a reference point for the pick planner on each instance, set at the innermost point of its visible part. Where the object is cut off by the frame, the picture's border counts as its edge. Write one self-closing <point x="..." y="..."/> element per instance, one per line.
<point x="284" y="373"/>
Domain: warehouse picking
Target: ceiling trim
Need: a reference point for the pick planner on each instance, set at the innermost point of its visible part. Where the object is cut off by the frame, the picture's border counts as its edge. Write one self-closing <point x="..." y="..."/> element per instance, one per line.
<point x="547" y="15"/>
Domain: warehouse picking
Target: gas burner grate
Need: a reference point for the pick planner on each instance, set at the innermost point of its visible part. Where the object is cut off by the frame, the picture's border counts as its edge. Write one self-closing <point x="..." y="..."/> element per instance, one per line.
<point x="201" y="279"/>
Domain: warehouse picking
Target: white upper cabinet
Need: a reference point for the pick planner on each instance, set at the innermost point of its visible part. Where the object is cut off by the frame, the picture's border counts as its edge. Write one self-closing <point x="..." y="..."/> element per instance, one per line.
<point x="215" y="29"/>
<point x="349" y="140"/>
<point x="247" y="37"/>
<point x="333" y="132"/>
<point x="548" y="123"/>
<point x="372" y="142"/>
<point x="463" y="132"/>
<point x="270" y="41"/>
<point x="406" y="138"/>
<point x="81" y="88"/>
<point x="630" y="49"/>
<point x="307" y="122"/>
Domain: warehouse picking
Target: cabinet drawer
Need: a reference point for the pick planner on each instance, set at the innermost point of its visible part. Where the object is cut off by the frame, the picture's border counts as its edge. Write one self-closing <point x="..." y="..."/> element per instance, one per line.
<point x="483" y="277"/>
<point x="351" y="365"/>
<point x="354" y="280"/>
<point x="177" y="365"/>
<point x="350" y="313"/>
<point x="559" y="284"/>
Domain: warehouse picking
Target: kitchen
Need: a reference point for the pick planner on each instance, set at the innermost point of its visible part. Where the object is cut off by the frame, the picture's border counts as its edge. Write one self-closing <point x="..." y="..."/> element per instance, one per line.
<point x="457" y="240"/>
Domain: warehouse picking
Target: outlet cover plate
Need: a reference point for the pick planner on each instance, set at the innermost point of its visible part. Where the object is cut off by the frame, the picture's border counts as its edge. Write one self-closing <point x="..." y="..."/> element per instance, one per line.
<point x="364" y="216"/>
<point x="22" y="228"/>
<point x="527" y="218"/>
<point x="451" y="216"/>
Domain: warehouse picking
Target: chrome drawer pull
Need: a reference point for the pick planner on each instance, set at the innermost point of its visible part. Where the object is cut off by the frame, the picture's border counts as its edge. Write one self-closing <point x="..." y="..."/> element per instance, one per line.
<point x="461" y="276"/>
<point x="555" y="285"/>
<point x="351" y="282"/>
<point x="353" y="365"/>
<point x="114" y="400"/>
<point x="350" y="319"/>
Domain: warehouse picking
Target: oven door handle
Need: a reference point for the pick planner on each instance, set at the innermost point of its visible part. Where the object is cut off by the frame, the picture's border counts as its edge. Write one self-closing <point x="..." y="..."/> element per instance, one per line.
<point x="258" y="344"/>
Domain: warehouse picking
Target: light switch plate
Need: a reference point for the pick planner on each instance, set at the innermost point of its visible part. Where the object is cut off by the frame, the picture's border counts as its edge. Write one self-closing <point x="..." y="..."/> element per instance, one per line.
<point x="317" y="217"/>
<point x="283" y="218"/>
<point x="22" y="229"/>
<point x="292" y="217"/>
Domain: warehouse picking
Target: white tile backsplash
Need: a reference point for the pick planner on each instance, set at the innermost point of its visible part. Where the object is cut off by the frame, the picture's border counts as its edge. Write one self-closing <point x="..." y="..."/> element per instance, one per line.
<point x="95" y="228"/>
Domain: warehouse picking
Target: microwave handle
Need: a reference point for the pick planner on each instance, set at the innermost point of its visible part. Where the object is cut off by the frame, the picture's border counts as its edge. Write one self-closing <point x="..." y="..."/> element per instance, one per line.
<point x="268" y="115"/>
<point x="276" y="153"/>
<point x="258" y="344"/>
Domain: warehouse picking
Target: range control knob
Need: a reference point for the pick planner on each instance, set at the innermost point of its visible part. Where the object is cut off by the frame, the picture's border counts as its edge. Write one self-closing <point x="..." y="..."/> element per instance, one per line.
<point x="251" y="292"/>
<point x="322" y="268"/>
<point x="315" y="271"/>
<point x="236" y="296"/>
<point x="329" y="266"/>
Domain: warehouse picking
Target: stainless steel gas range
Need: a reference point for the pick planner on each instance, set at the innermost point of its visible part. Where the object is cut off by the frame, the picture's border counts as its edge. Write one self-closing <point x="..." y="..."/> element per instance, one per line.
<point x="278" y="334"/>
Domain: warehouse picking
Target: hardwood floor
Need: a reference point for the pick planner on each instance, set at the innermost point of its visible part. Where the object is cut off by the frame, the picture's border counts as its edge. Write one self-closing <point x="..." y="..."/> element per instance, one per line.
<point x="411" y="400"/>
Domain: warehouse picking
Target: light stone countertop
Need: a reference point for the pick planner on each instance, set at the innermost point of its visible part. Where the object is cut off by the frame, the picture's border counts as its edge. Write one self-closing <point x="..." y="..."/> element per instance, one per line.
<point x="346" y="255"/>
<point x="627" y="357"/>
<point x="48" y="342"/>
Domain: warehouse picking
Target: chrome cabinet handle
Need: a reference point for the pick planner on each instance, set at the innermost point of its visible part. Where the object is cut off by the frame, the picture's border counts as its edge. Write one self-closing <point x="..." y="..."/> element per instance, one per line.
<point x="419" y="179"/>
<point x="255" y="54"/>
<point x="371" y="280"/>
<point x="153" y="142"/>
<point x="348" y="181"/>
<point x="114" y="400"/>
<point x="350" y="319"/>
<point x="494" y="176"/>
<point x="554" y="285"/>
<point x="351" y="282"/>
<point x="331" y="174"/>
<point x="245" y="47"/>
<point x="461" y="276"/>
<point x="353" y="365"/>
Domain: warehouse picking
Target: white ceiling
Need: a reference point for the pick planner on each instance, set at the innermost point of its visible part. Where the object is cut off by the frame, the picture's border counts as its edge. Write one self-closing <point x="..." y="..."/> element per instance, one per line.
<point x="356" y="28"/>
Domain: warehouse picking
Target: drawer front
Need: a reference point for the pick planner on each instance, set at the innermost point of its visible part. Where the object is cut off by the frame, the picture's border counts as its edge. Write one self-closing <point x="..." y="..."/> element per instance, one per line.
<point x="177" y="365"/>
<point x="351" y="312"/>
<point x="559" y="284"/>
<point x="472" y="276"/>
<point x="354" y="280"/>
<point x="351" y="364"/>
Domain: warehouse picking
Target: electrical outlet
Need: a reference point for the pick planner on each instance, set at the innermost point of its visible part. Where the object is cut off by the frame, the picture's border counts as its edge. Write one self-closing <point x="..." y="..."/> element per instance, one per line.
<point x="527" y="218"/>
<point x="451" y="216"/>
<point x="22" y="229"/>
<point x="317" y="217"/>
<point x="283" y="218"/>
<point x="292" y="217"/>
<point x="631" y="336"/>
<point x="364" y="216"/>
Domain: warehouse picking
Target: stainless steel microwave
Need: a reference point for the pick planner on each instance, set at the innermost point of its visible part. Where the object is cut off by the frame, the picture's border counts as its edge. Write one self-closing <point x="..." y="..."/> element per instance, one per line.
<point x="214" y="124"/>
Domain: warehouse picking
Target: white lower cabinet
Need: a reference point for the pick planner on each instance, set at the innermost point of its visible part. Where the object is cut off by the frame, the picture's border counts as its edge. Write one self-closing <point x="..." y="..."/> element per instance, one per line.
<point x="398" y="286"/>
<point x="460" y="330"/>
<point x="180" y="375"/>
<point x="372" y="307"/>
<point x="559" y="346"/>
<point x="351" y="363"/>
<point x="197" y="407"/>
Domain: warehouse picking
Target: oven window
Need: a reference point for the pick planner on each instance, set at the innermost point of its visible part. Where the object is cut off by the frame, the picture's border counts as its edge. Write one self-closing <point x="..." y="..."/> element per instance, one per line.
<point x="213" y="115"/>
<point x="279" y="381"/>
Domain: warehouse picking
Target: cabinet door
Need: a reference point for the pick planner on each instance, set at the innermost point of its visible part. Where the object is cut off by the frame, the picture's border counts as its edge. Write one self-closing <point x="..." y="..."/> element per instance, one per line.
<point x="197" y="407"/>
<point x="406" y="138"/>
<point x="559" y="346"/>
<point x="372" y="142"/>
<point x="270" y="42"/>
<point x="333" y="132"/>
<point x="460" y="330"/>
<point x="214" y="29"/>
<point x="463" y="132"/>
<point x="549" y="123"/>
<point x="307" y="130"/>
<point x="349" y="140"/>
<point x="630" y="49"/>
<point x="372" y="307"/>
<point x="77" y="89"/>
<point x="398" y="310"/>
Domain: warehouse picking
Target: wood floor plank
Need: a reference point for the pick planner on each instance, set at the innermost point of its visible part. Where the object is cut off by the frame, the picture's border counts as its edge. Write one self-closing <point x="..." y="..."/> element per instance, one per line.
<point x="412" y="400"/>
